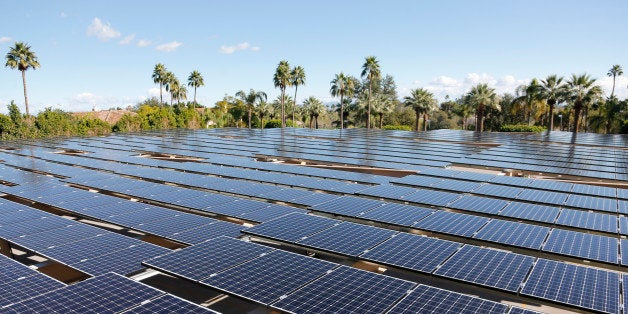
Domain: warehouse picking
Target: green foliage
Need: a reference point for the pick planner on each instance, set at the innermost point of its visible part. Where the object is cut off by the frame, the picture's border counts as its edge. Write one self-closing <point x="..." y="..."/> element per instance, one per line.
<point x="398" y="127"/>
<point x="277" y="124"/>
<point x="55" y="122"/>
<point x="521" y="128"/>
<point x="87" y="126"/>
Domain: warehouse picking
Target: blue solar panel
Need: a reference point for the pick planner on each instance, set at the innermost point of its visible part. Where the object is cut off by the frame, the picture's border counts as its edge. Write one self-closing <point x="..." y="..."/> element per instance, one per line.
<point x="205" y="259"/>
<point x="48" y="222"/>
<point x="237" y="207"/>
<point x="532" y="212"/>
<point x="497" y="269"/>
<point x="75" y="252"/>
<point x="624" y="252"/>
<point x="388" y="191"/>
<point x="269" y="277"/>
<point x="479" y="204"/>
<point x="180" y="222"/>
<point x="551" y="185"/>
<point x="56" y="237"/>
<point x="591" y="202"/>
<point x="436" y="198"/>
<point x="588" y="220"/>
<point x="547" y="197"/>
<point x="346" y="290"/>
<point x="348" y="206"/>
<point x="622" y="206"/>
<point x="583" y="287"/>
<point x="31" y="285"/>
<point x="452" y="223"/>
<point x="126" y="261"/>
<point x="585" y="245"/>
<point x="498" y="190"/>
<point x="397" y="214"/>
<point x="412" y="252"/>
<point x="108" y="293"/>
<point x="315" y="199"/>
<point x="168" y="304"/>
<point x="271" y="212"/>
<point x="515" y="181"/>
<point x="348" y="238"/>
<point x="594" y="190"/>
<point x="426" y="299"/>
<point x="209" y="231"/>
<point x="514" y="233"/>
<point x="292" y="227"/>
<point x="623" y="225"/>
<point x="417" y="180"/>
<point x="456" y="185"/>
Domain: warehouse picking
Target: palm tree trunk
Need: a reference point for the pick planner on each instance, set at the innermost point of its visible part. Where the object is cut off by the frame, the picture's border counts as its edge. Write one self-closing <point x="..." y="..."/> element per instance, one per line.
<point x="161" y="96"/>
<point x="25" y="94"/>
<point x="613" y="90"/>
<point x="342" y="111"/>
<point x="550" y="117"/>
<point x="261" y="118"/>
<point x="311" y="120"/>
<point x="294" y="106"/>
<point x="480" y="117"/>
<point x="250" y="114"/>
<point x="576" y="114"/>
<point x="194" y="105"/>
<point x="418" y="116"/>
<point x="381" y="120"/>
<point x="316" y="121"/>
<point x="283" y="114"/>
<point x="425" y="122"/>
<point x="368" y="113"/>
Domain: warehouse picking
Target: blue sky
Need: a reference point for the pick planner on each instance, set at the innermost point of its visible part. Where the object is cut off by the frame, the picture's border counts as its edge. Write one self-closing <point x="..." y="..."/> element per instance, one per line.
<point x="101" y="53"/>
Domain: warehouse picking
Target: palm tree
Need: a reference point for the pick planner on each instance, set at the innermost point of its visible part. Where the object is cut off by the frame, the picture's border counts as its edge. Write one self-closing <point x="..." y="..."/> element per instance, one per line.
<point x="463" y="109"/>
<point x="528" y="98"/>
<point x="481" y="97"/>
<point x="159" y="77"/>
<point x="251" y="99"/>
<point x="315" y="108"/>
<point x="281" y="80"/>
<point x="195" y="80"/>
<point x="382" y="104"/>
<point x="22" y="58"/>
<point x="608" y="115"/>
<point x="371" y="71"/>
<point x="552" y="91"/>
<point x="615" y="71"/>
<point x="180" y="92"/>
<point x="342" y="86"/>
<point x="263" y="109"/>
<point x="171" y="83"/>
<point x="297" y="77"/>
<point x="581" y="91"/>
<point x="422" y="101"/>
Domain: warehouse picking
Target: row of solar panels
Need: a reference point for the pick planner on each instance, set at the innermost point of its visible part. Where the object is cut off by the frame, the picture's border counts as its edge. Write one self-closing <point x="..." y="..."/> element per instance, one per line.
<point x="587" y="287"/>
<point x="107" y="293"/>
<point x="19" y="282"/>
<point x="91" y="250"/>
<point x="300" y="284"/>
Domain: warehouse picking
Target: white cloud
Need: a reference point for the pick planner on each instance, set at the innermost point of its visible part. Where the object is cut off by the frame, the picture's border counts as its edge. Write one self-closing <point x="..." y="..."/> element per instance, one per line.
<point x="5" y="39"/>
<point x="168" y="47"/>
<point x="127" y="40"/>
<point x="445" y="81"/>
<point x="85" y="98"/>
<point x="621" y="89"/>
<point x="103" y="31"/>
<point x="63" y="15"/>
<point x="224" y="49"/>
<point x="443" y="85"/>
<point x="144" y="43"/>
<point x="153" y="92"/>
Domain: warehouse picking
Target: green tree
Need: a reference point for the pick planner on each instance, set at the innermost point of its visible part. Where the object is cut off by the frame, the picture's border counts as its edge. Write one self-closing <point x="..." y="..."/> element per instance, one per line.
<point x="482" y="98"/>
<point x="250" y="100"/>
<point x="609" y="115"/>
<point x="382" y="105"/>
<point x="314" y="108"/>
<point x="159" y="77"/>
<point x="527" y="99"/>
<point x="195" y="80"/>
<point x="422" y="102"/>
<point x="371" y="71"/>
<point x="171" y="82"/>
<point x="263" y="109"/>
<point x="463" y="109"/>
<point x="179" y="92"/>
<point x="22" y="58"/>
<point x="553" y="92"/>
<point x="281" y="79"/>
<point x="614" y="72"/>
<point x="342" y="86"/>
<point x="581" y="91"/>
<point x="297" y="77"/>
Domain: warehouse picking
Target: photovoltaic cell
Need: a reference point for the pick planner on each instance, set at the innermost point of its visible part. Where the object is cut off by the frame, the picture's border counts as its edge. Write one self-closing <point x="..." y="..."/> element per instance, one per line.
<point x="397" y="214"/>
<point x="412" y="252"/>
<point x="13" y="291"/>
<point x="426" y="299"/>
<point x="497" y="269"/>
<point x="592" y="202"/>
<point x="624" y="252"/>
<point x="205" y="259"/>
<point x="452" y="223"/>
<point x="532" y="212"/>
<point x="514" y="233"/>
<point x="588" y="220"/>
<point x="348" y="206"/>
<point x="436" y="198"/>
<point x="123" y="262"/>
<point x="292" y="227"/>
<point x="540" y="196"/>
<point x="498" y="190"/>
<point x="388" y="191"/>
<point x="209" y="231"/>
<point x="580" y="286"/>
<point x="585" y="245"/>
<point x="479" y="204"/>
<point x="348" y="238"/>
<point x="168" y="304"/>
<point x="267" y="278"/>
<point x="346" y="290"/>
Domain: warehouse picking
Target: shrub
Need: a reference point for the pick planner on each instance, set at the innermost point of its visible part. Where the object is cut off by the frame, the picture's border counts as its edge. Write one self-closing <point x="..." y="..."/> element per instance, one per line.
<point x="398" y="127"/>
<point x="277" y="124"/>
<point x="521" y="128"/>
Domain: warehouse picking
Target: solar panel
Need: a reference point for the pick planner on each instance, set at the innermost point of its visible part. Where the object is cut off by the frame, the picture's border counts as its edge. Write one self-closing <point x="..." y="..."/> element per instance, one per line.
<point x="497" y="269"/>
<point x="13" y="291"/>
<point x="456" y="185"/>
<point x="346" y="290"/>
<point x="514" y="233"/>
<point x="168" y="304"/>
<point x="591" y="202"/>
<point x="108" y="293"/>
<point x="292" y="227"/>
<point x="479" y="204"/>
<point x="436" y="198"/>
<point x="452" y="223"/>
<point x="237" y="207"/>
<point x="271" y="212"/>
<point x="518" y="310"/>
<point x="388" y="191"/>
<point x="315" y="199"/>
<point x="48" y="222"/>
<point x="551" y="185"/>
<point x="205" y="259"/>
<point x="547" y="197"/>
<point x="532" y="212"/>
<point x="426" y="299"/>
<point x="348" y="206"/>
<point x="417" y="180"/>
<point x="209" y="231"/>
<point x="348" y="238"/>
<point x="397" y="214"/>
<point x="126" y="261"/>
<point x="269" y="277"/>
<point x="588" y="220"/>
<point x="89" y="248"/>
<point x="56" y="237"/>
<point x="580" y="286"/>
<point x="585" y="245"/>
<point x="412" y="252"/>
<point x="594" y="190"/>
<point x="498" y="190"/>
<point x="515" y="181"/>
<point x="622" y="206"/>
